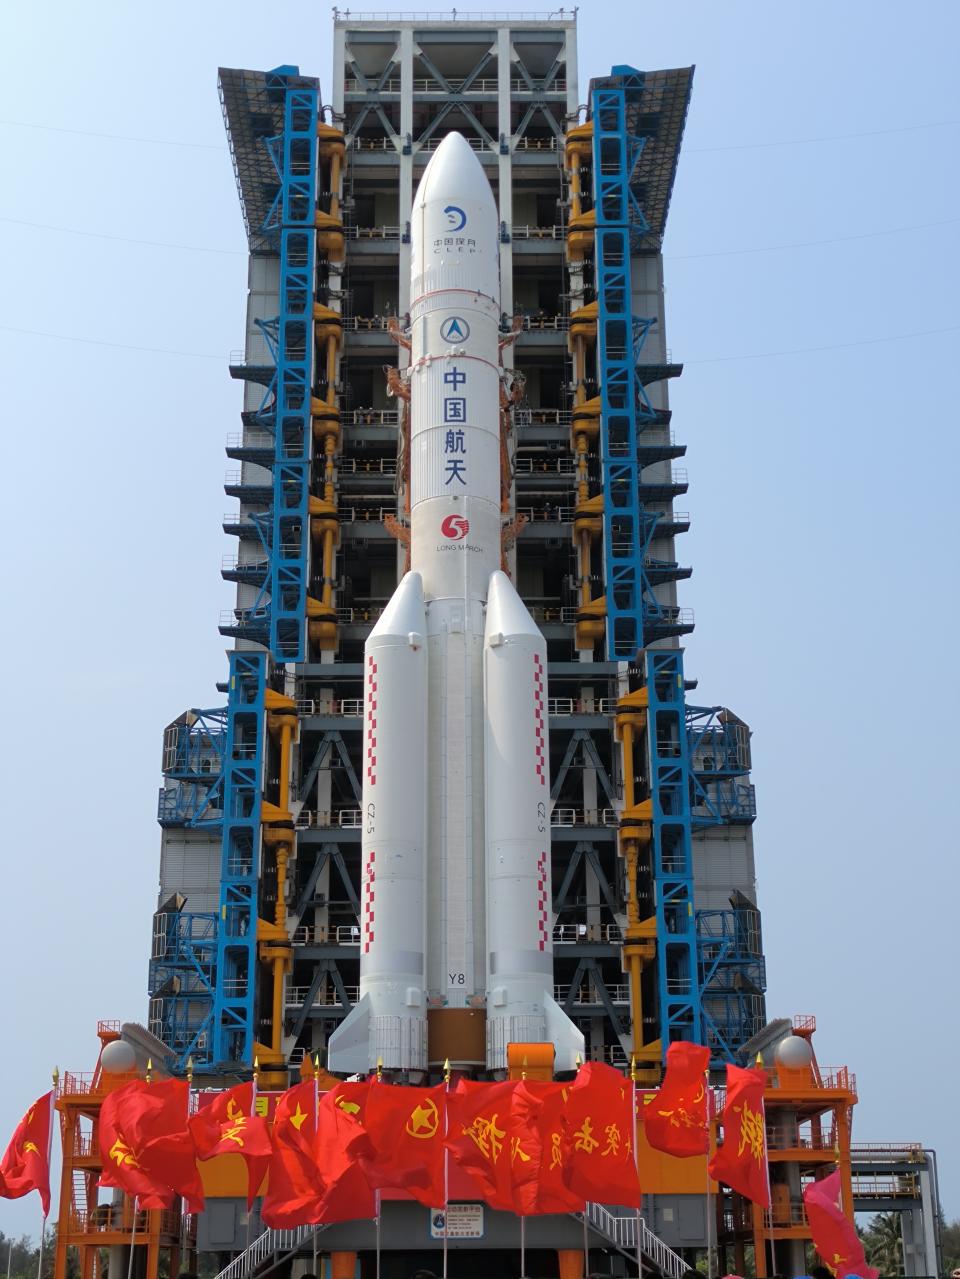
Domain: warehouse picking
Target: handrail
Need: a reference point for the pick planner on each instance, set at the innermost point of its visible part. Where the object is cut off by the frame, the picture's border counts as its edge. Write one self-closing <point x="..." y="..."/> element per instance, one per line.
<point x="270" y="1242"/>
<point x="622" y="1232"/>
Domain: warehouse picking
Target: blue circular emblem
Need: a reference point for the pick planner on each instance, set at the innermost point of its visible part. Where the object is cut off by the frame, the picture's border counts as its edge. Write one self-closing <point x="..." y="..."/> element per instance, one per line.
<point x="456" y="217"/>
<point x="454" y="329"/>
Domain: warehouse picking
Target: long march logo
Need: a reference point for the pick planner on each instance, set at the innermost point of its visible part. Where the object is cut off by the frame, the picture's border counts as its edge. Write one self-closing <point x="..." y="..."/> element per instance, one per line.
<point x="455" y="527"/>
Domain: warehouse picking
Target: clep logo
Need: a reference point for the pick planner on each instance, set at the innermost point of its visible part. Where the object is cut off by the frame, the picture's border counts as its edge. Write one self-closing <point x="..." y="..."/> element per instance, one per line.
<point x="456" y="217"/>
<point x="455" y="527"/>
<point x="454" y="329"/>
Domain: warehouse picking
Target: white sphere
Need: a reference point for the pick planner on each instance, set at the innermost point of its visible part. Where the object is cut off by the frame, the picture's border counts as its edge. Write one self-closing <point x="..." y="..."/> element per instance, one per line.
<point x="794" y="1053"/>
<point x="118" y="1058"/>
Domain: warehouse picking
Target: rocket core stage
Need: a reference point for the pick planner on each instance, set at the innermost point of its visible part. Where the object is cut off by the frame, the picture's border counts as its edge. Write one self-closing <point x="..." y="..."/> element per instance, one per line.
<point x="456" y="784"/>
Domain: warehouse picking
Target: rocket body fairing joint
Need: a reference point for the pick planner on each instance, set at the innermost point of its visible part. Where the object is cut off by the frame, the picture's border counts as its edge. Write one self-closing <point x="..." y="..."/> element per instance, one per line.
<point x="456" y="786"/>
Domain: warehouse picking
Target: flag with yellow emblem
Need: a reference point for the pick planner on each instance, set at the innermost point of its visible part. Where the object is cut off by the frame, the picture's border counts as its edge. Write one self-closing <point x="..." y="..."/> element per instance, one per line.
<point x="342" y="1149"/>
<point x="834" y="1235"/>
<point x="406" y="1127"/>
<point x="599" y="1156"/>
<point x="228" y="1126"/>
<point x="741" y="1162"/>
<point x="296" y="1187"/>
<point x="146" y="1146"/>
<point x="26" y="1164"/>
<point x="675" y="1119"/>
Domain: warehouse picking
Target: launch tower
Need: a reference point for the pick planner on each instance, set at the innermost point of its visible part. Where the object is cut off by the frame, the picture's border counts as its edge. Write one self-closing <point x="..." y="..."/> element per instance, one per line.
<point x="653" y="918"/>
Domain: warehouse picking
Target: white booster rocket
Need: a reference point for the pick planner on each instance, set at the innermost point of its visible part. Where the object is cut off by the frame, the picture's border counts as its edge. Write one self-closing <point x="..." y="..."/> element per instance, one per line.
<point x="456" y="764"/>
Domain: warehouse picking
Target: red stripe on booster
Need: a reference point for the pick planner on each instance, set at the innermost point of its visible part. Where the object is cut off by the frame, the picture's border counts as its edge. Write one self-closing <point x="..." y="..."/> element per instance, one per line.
<point x="538" y="733"/>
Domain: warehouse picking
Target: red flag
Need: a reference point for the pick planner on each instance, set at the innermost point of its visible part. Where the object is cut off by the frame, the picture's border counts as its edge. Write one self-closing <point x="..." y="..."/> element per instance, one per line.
<point x="145" y="1144"/>
<point x="834" y="1236"/>
<point x="741" y="1162"/>
<point x="406" y="1127"/>
<point x="296" y="1188"/>
<point x="676" y="1119"/>
<point x="228" y="1126"/>
<point x="478" y="1124"/>
<point x="536" y="1167"/>
<point x="342" y="1144"/>
<point x="26" y="1164"/>
<point x="599" y="1157"/>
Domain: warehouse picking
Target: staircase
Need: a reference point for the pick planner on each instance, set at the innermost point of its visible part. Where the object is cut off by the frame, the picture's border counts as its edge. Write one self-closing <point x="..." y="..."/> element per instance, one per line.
<point x="621" y="1232"/>
<point x="273" y="1247"/>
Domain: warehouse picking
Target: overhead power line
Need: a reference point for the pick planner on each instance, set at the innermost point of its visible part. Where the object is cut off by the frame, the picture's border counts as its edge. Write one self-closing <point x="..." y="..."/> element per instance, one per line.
<point x="710" y="359"/>
<point x="122" y="239"/>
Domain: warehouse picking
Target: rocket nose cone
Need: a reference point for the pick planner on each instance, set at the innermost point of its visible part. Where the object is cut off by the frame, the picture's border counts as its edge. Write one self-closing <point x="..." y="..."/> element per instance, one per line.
<point x="454" y="167"/>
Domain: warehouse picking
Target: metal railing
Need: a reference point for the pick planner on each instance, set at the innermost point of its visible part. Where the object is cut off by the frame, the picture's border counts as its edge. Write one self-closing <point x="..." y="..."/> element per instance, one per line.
<point x="580" y="817"/>
<point x="547" y="514"/>
<point x="326" y="935"/>
<point x="371" y="417"/>
<point x="587" y="932"/>
<point x="249" y="440"/>
<point x="422" y="84"/>
<point x="537" y="232"/>
<point x="371" y="232"/>
<point x="542" y="417"/>
<point x="346" y="706"/>
<point x="270" y="1244"/>
<point x="623" y="1233"/>
<point x="577" y="706"/>
<point x="325" y="998"/>
<point x="582" y="995"/>
<point x="344" y="818"/>
<point x="367" y="466"/>
<point x="544" y="466"/>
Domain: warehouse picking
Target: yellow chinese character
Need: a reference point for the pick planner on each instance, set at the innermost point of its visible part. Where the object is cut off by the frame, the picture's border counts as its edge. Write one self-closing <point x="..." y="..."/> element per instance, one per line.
<point x="516" y="1150"/>
<point x="751" y="1131"/>
<point x="486" y="1136"/>
<point x="613" y="1140"/>
<point x="584" y="1139"/>
<point x="556" y="1152"/>
<point x="232" y="1132"/>
<point x="261" y="1107"/>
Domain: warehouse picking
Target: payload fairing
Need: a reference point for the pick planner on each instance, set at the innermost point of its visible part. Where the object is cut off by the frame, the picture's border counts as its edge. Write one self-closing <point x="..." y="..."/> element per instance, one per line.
<point x="456" y="780"/>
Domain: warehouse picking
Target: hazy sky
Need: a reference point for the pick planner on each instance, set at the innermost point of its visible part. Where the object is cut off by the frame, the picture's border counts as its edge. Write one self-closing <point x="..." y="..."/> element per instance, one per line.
<point x="811" y="285"/>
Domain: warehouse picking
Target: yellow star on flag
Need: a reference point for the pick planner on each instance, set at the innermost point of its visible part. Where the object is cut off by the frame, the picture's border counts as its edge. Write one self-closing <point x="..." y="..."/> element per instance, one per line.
<point x="298" y="1118"/>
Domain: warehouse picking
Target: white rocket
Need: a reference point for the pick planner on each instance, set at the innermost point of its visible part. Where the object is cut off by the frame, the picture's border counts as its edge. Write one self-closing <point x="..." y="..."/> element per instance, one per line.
<point x="456" y="768"/>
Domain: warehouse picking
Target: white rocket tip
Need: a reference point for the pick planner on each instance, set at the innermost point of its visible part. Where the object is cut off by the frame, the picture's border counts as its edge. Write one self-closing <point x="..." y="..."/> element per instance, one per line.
<point x="405" y="614"/>
<point x="507" y="615"/>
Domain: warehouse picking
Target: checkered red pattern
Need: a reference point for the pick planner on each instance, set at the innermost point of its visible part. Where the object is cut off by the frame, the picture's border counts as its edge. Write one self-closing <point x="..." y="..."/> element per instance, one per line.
<point x="369" y="899"/>
<point x="538" y="732"/>
<point x="371" y="721"/>
<point x="543" y="917"/>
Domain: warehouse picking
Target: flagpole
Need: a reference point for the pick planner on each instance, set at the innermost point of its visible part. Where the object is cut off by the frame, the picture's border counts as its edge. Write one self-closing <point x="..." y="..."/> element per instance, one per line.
<point x="636" y="1160"/>
<point x="133" y="1236"/>
<point x="43" y="1231"/>
<point x="586" y="1235"/>
<point x="43" y="1222"/>
<point x="253" y="1111"/>
<point x="766" y="1164"/>
<point x="710" y="1213"/>
<point x="446" y="1168"/>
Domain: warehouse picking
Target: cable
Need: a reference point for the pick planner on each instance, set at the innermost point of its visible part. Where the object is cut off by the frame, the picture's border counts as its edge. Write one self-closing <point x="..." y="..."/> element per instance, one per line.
<point x="119" y="346"/>
<point x="114" y="137"/>
<point x="834" y="346"/>
<point x="711" y="359"/>
<point x="828" y="137"/>
<point x="733" y="146"/>
<point x="123" y="239"/>
<point x="804" y="244"/>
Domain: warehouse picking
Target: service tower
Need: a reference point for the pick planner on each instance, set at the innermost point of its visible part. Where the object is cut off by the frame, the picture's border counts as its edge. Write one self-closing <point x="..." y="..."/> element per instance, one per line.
<point x="652" y="916"/>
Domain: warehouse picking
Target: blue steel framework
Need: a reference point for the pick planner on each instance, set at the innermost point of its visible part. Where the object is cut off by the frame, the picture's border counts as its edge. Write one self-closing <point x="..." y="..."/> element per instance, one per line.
<point x="635" y="617"/>
<point x="729" y="942"/>
<point x="280" y="623"/>
<point x="294" y="215"/>
<point x="234" y="995"/>
<point x="678" y="985"/>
